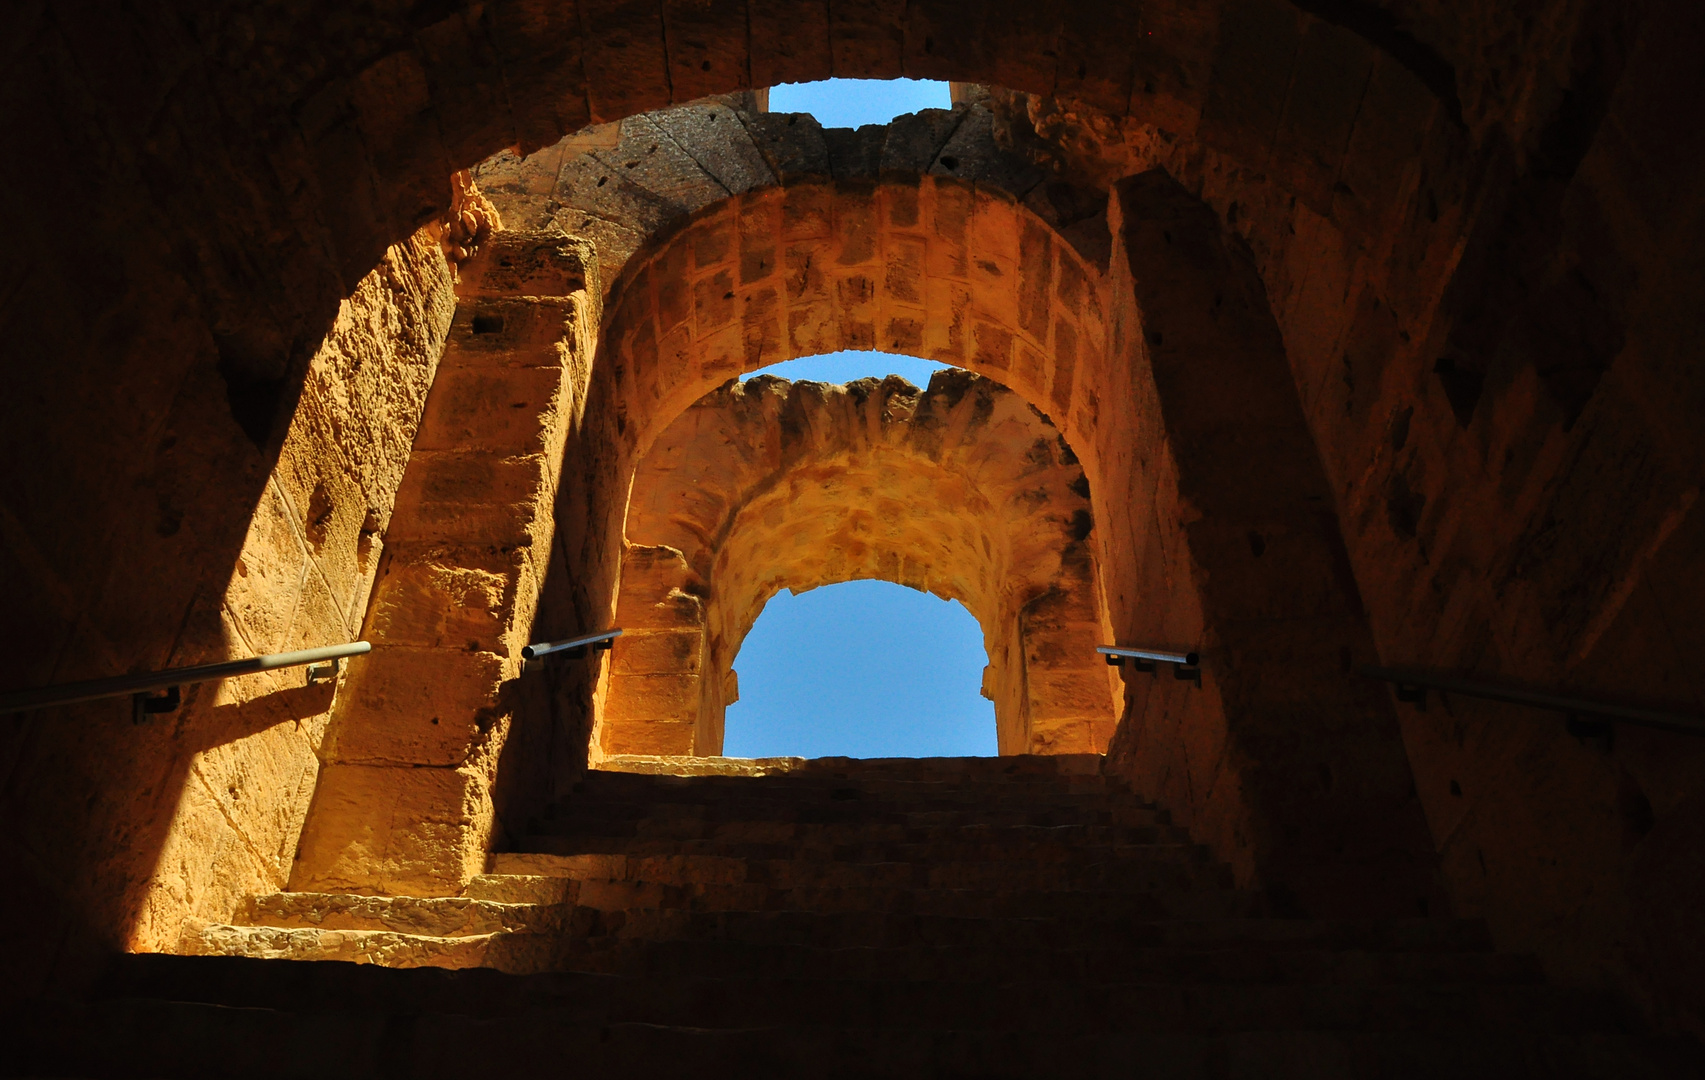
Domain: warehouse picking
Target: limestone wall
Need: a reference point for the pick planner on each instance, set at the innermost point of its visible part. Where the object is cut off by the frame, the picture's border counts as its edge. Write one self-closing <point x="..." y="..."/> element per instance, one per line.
<point x="962" y="490"/>
<point x="1485" y="336"/>
<point x="135" y="830"/>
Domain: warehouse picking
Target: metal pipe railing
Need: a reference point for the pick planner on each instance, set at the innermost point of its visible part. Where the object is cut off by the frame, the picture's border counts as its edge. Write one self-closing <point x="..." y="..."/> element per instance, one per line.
<point x="1412" y="685"/>
<point x="173" y="678"/>
<point x="1187" y="666"/>
<point x="574" y="647"/>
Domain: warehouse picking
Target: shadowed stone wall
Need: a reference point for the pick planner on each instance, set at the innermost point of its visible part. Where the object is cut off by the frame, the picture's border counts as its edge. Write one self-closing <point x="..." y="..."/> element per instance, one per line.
<point x="134" y="828"/>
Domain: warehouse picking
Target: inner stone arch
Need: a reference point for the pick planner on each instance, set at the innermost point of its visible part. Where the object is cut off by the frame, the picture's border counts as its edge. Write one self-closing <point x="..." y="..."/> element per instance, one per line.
<point x="961" y="490"/>
<point x="929" y="266"/>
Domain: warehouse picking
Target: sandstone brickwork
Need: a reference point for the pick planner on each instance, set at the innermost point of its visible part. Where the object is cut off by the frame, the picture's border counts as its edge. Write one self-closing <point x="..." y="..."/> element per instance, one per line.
<point x="961" y="490"/>
<point x="663" y="167"/>
<point x="407" y="799"/>
<point x="1475" y="227"/>
<point x="198" y="809"/>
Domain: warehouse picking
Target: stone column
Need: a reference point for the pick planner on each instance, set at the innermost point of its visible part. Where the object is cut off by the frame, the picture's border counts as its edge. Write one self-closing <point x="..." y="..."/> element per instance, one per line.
<point x="404" y="803"/>
<point x="654" y="700"/>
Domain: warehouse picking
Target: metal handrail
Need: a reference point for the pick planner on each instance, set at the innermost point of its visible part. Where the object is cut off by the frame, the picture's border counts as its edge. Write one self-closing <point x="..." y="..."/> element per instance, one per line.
<point x="1412" y="685"/>
<point x="602" y="641"/>
<point x="1114" y="652"/>
<point x="172" y="678"/>
<point x="1186" y="666"/>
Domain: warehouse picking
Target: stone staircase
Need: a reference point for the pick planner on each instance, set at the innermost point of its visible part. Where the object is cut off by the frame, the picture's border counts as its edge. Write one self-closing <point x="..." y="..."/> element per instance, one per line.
<point x="988" y="917"/>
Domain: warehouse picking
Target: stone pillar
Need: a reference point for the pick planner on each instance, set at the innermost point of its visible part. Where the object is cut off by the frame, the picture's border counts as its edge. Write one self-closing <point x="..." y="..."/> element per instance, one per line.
<point x="404" y="802"/>
<point x="655" y="694"/>
<point x="1065" y="679"/>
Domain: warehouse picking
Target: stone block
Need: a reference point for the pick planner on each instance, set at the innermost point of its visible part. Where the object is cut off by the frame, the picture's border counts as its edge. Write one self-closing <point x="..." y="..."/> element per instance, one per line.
<point x="657" y="652"/>
<point x="499" y="331"/>
<point x="540" y="43"/>
<point x="474" y="498"/>
<point x="516" y="264"/>
<point x="625" y="58"/>
<point x="813" y="329"/>
<point x="650" y="161"/>
<point x="269" y="573"/>
<point x="865" y="41"/>
<point x="394" y="831"/>
<point x="507" y="411"/>
<point x="720" y="145"/>
<point x="913" y="141"/>
<point x="1057" y="692"/>
<point x="797" y="37"/>
<point x="465" y="83"/>
<point x="1252" y="71"/>
<point x="649" y="737"/>
<point x="641" y="699"/>
<point x="205" y="865"/>
<point x="792" y="144"/>
<point x="706" y="46"/>
<point x="412" y="706"/>
<point x="454" y="598"/>
<point x="1328" y="86"/>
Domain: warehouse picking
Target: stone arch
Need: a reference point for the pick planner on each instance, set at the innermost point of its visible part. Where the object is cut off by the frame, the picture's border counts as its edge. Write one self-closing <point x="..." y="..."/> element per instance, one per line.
<point x="931" y="266"/>
<point x="961" y="490"/>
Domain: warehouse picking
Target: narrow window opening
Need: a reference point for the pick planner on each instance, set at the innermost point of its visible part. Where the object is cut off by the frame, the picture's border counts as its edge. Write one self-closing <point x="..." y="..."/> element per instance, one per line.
<point x="851" y="103"/>
<point x="861" y="669"/>
<point x="488" y="324"/>
<point x="844" y="367"/>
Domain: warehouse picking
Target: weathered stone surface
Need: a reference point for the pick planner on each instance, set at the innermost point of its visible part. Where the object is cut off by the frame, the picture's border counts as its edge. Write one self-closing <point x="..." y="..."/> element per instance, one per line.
<point x="413" y="793"/>
<point x="1482" y="257"/>
<point x="875" y="896"/>
<point x="961" y="490"/>
<point x="408" y="831"/>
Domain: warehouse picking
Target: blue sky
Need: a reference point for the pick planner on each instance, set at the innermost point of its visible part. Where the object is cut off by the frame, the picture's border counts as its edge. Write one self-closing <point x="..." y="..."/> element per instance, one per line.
<point x="854" y="102"/>
<point x="844" y="367"/>
<point x="861" y="669"/>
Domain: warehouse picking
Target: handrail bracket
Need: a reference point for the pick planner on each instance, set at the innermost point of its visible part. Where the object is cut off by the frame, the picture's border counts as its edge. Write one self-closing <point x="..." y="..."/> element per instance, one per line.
<point x="145" y="705"/>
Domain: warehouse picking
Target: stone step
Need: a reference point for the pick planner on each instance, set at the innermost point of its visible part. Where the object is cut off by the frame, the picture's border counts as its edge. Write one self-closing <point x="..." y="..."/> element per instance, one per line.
<point x="1044" y="1006"/>
<point x="501" y="951"/>
<point x="1152" y="845"/>
<point x="997" y="961"/>
<point x="1015" y="766"/>
<point x="866" y="789"/>
<point x="911" y="930"/>
<point x="1052" y="1007"/>
<point x="1145" y="869"/>
<point x="131" y="1037"/>
<point x="850" y="789"/>
<point x="693" y="819"/>
<point x="628" y="896"/>
<point x="446" y="916"/>
<point x="808" y="837"/>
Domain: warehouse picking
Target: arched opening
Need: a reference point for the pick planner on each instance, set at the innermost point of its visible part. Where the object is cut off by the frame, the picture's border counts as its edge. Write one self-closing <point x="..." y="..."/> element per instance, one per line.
<point x="852" y="103"/>
<point x="848" y="365"/>
<point x="766" y="487"/>
<point x="861" y="669"/>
